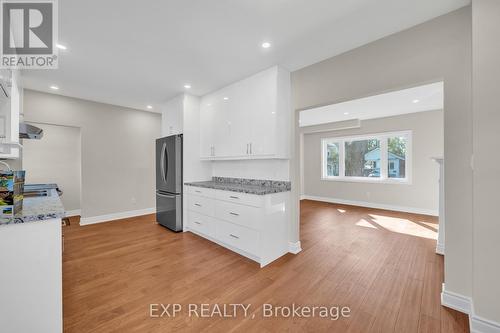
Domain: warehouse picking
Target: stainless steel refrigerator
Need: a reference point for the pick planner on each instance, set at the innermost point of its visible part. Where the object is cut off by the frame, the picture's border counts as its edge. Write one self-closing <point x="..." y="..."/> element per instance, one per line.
<point x="169" y="182"/>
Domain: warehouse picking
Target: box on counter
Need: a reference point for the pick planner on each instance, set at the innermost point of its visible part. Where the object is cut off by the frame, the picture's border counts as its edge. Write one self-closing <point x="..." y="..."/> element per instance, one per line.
<point x="11" y="192"/>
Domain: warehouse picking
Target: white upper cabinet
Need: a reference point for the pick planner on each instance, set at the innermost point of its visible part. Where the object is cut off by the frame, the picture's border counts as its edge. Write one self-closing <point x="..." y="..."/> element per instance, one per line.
<point x="172" y="116"/>
<point x="10" y="109"/>
<point x="249" y="119"/>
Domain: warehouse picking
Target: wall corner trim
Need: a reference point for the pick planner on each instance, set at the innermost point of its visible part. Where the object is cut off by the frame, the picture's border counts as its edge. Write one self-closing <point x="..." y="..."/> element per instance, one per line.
<point x="115" y="216"/>
<point x="440" y="249"/>
<point x="465" y="305"/>
<point x="294" y="247"/>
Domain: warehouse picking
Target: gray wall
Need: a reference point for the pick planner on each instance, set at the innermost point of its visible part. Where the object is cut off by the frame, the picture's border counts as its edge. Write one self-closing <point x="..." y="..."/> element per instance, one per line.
<point x="421" y="195"/>
<point x="117" y="152"/>
<point x="56" y="159"/>
<point x="438" y="50"/>
<point x="486" y="89"/>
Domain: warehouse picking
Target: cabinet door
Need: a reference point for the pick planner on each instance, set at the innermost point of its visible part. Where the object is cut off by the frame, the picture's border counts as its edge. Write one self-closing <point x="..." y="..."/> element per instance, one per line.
<point x="221" y="124"/>
<point x="240" y="118"/>
<point x="263" y="114"/>
<point x="207" y="115"/>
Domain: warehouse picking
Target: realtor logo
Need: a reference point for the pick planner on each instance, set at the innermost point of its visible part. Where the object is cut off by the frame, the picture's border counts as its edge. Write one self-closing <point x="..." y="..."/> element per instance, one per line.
<point x="28" y="34"/>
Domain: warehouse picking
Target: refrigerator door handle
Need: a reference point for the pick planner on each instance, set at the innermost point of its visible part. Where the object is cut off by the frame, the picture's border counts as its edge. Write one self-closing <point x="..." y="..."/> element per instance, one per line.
<point x="166" y="195"/>
<point x="166" y="164"/>
<point x="162" y="166"/>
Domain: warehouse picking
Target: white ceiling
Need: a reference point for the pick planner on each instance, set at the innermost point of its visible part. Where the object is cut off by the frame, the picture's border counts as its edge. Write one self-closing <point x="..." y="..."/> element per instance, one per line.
<point x="135" y="53"/>
<point x="418" y="99"/>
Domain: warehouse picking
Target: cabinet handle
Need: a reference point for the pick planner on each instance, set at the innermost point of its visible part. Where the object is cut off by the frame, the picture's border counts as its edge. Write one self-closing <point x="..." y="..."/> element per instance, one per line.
<point x="197" y="222"/>
<point x="198" y="191"/>
<point x="234" y="236"/>
<point x="197" y="204"/>
<point x="235" y="214"/>
<point x="247" y="148"/>
<point x="233" y="197"/>
<point x="250" y="149"/>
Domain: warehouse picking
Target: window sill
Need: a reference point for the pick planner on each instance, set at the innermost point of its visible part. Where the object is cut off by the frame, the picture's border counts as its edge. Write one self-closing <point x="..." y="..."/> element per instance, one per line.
<point x="369" y="180"/>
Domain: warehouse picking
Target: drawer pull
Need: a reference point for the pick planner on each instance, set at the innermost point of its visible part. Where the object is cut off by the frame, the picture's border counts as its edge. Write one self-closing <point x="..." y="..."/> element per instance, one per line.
<point x="198" y="191"/>
<point x="197" y="204"/>
<point x="234" y="236"/>
<point x="235" y="214"/>
<point x="197" y="222"/>
<point x="233" y="197"/>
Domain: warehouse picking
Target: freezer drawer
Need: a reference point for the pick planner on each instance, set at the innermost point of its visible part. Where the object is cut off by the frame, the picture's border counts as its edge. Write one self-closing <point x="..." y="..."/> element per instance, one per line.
<point x="169" y="210"/>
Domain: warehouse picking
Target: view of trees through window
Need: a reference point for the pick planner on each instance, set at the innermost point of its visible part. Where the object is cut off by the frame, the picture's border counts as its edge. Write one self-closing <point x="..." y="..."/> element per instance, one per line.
<point x="362" y="158"/>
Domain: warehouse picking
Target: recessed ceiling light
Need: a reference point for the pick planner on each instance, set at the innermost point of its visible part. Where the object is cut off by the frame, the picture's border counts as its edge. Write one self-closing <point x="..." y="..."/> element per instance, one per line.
<point x="187" y="86"/>
<point x="149" y="107"/>
<point x="54" y="87"/>
<point x="225" y="98"/>
<point x="346" y="113"/>
<point x="266" y="45"/>
<point x="415" y="101"/>
<point x="62" y="47"/>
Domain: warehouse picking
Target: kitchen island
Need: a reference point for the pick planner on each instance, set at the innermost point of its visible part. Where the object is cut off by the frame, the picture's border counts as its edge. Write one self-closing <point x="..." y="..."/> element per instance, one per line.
<point x="248" y="216"/>
<point x="31" y="266"/>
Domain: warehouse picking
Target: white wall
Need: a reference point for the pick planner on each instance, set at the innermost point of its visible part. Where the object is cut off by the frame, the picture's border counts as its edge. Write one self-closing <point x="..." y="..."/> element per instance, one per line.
<point x="118" y="150"/>
<point x="253" y="169"/>
<point x="421" y="195"/>
<point x="56" y="158"/>
<point x="486" y="89"/>
<point x="438" y="50"/>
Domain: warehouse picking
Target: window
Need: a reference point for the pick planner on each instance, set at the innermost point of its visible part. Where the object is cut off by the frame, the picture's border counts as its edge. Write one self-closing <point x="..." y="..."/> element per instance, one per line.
<point x="332" y="159"/>
<point x="373" y="158"/>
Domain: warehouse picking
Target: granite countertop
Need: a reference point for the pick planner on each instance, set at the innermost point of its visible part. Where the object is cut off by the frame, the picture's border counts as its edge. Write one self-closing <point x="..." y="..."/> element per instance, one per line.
<point x="36" y="209"/>
<point x="250" y="186"/>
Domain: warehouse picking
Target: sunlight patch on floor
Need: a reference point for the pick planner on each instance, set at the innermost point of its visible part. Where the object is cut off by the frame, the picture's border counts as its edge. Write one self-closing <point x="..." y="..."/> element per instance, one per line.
<point x="365" y="223"/>
<point x="402" y="226"/>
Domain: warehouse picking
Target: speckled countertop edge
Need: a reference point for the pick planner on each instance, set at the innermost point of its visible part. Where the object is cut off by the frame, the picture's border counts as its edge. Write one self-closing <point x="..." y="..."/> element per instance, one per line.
<point x="37" y="209"/>
<point x="242" y="185"/>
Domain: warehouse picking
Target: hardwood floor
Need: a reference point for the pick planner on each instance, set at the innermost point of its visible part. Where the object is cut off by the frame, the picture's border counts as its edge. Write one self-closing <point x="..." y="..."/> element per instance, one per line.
<point x="380" y="264"/>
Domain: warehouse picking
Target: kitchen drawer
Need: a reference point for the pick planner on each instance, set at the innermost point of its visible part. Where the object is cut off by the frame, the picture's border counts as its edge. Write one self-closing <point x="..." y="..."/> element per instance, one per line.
<point x="240" y="214"/>
<point x="202" y="223"/>
<point x="240" y="198"/>
<point x="201" y="205"/>
<point x="239" y="237"/>
<point x="201" y="191"/>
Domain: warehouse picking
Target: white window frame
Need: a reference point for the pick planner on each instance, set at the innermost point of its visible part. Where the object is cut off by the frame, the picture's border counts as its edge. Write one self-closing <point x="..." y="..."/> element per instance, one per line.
<point x="384" y="153"/>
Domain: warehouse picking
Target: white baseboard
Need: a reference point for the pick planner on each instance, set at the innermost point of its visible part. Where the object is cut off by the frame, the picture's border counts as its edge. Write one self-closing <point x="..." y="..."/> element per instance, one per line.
<point x="372" y="205"/>
<point x="481" y="325"/>
<point x="465" y="305"/>
<point x="455" y="301"/>
<point x="75" y="212"/>
<point x="116" y="216"/>
<point x="294" y="247"/>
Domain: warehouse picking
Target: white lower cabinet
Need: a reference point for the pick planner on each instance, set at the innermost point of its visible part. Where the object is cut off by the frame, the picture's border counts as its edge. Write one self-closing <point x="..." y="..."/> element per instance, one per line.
<point x="254" y="226"/>
<point x="202" y="223"/>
